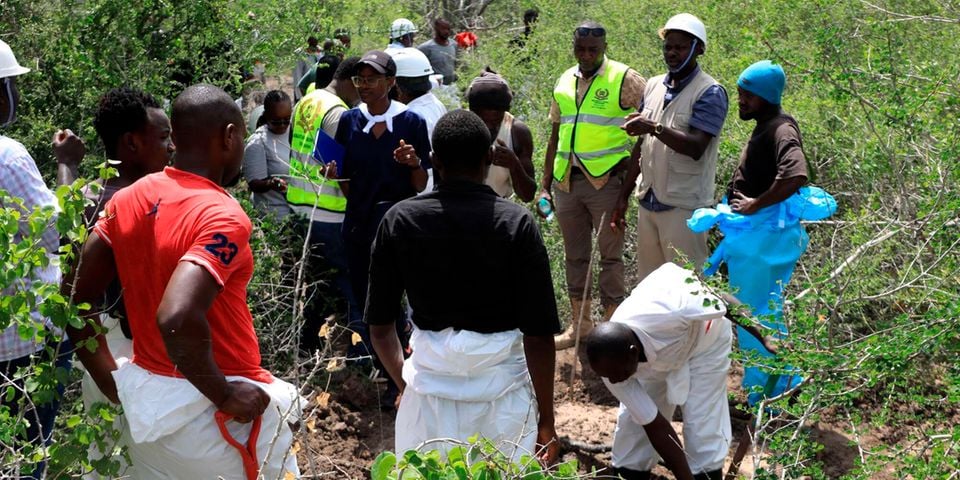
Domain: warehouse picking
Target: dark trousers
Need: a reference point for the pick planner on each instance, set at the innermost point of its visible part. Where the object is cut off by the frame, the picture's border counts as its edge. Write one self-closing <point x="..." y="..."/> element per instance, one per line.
<point x="327" y="257"/>
<point x="358" y="240"/>
<point x="358" y="237"/>
<point x="40" y="408"/>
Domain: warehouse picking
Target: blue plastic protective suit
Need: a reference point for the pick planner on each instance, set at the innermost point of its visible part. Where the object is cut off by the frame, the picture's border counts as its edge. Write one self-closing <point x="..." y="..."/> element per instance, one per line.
<point x="760" y="251"/>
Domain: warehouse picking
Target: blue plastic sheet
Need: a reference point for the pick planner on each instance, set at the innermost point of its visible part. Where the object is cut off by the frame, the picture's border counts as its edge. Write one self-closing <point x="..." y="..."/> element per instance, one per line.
<point x="761" y="251"/>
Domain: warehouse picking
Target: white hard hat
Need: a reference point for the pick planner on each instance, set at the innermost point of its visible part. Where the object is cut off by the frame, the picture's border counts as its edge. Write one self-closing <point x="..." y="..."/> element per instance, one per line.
<point x="8" y="63"/>
<point x="685" y="22"/>
<point x="401" y="27"/>
<point x="411" y="63"/>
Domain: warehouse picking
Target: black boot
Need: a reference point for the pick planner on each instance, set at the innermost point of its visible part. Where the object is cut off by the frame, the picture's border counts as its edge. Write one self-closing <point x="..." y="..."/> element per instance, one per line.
<point x="627" y="474"/>
<point x="711" y="475"/>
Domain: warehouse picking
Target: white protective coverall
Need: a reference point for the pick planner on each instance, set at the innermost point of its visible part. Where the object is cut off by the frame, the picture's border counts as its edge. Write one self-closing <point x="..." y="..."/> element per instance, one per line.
<point x="121" y="348"/>
<point x="171" y="431"/>
<point x="463" y="383"/>
<point x="687" y="347"/>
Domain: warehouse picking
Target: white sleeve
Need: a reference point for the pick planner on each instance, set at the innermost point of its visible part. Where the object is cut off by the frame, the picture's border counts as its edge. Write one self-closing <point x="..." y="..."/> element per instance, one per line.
<point x="429" y="188"/>
<point x="631" y="394"/>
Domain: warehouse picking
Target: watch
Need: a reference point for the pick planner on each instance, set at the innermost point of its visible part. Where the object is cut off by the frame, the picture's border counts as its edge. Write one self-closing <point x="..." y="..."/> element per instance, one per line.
<point x="657" y="129"/>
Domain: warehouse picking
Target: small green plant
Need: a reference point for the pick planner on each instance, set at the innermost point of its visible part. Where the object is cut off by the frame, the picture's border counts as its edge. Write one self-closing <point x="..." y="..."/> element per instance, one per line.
<point x="477" y="459"/>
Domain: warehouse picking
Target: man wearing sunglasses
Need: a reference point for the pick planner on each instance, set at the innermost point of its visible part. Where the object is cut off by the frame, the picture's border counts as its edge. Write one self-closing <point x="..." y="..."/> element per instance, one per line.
<point x="679" y="124"/>
<point x="586" y="159"/>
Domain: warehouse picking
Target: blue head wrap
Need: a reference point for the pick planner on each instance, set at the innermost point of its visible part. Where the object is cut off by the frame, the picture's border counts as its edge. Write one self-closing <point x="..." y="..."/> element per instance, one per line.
<point x="764" y="79"/>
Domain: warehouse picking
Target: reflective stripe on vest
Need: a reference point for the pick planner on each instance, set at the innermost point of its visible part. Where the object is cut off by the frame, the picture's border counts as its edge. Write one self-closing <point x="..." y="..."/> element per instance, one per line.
<point x="307" y="185"/>
<point x="591" y="130"/>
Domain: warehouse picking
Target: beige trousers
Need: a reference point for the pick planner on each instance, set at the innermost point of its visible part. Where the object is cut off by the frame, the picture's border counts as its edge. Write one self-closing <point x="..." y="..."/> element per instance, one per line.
<point x="664" y="237"/>
<point x="579" y="212"/>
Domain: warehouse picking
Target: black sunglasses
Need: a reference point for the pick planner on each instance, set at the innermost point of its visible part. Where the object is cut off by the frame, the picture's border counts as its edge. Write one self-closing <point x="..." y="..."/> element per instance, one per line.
<point x="280" y="122"/>
<point x="586" y="31"/>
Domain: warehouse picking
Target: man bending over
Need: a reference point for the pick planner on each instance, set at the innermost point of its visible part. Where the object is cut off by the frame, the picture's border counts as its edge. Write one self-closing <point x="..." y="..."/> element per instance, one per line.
<point x="667" y="345"/>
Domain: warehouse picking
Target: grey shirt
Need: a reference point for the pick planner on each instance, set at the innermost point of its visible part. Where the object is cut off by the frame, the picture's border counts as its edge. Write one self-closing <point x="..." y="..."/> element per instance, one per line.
<point x="442" y="58"/>
<point x="267" y="155"/>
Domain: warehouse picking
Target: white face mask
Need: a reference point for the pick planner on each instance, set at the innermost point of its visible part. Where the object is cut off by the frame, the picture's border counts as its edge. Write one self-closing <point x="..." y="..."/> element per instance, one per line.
<point x="11" y="105"/>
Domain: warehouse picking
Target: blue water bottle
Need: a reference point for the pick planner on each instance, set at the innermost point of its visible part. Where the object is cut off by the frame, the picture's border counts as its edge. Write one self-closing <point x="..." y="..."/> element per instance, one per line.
<point x="545" y="208"/>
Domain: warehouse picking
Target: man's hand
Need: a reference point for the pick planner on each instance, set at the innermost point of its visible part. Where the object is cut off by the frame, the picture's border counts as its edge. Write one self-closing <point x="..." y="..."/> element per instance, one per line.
<point x="548" y="445"/>
<point x="545" y="195"/>
<point x="244" y="401"/>
<point x="503" y="156"/>
<point x="743" y="204"/>
<point x="618" y="217"/>
<point x="396" y="403"/>
<point x="68" y="147"/>
<point x="406" y="155"/>
<point x="330" y="170"/>
<point x="69" y="150"/>
<point x="278" y="184"/>
<point x="771" y="344"/>
<point x="634" y="125"/>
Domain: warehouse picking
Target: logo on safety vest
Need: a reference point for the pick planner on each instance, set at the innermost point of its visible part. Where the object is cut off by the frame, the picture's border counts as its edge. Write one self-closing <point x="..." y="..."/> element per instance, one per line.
<point x="601" y="94"/>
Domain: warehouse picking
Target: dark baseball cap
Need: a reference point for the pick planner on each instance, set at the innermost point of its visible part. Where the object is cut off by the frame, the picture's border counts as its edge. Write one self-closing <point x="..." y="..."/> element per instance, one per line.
<point x="379" y="61"/>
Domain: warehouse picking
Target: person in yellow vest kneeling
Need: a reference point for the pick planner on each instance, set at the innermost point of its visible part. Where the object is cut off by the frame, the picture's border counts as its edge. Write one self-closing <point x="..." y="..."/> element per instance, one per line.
<point x="587" y="155"/>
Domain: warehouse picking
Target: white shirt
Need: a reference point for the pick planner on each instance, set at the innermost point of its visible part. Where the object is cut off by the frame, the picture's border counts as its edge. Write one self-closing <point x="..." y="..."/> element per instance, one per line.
<point x="429" y="107"/>
<point x="673" y="317"/>
<point x="21" y="179"/>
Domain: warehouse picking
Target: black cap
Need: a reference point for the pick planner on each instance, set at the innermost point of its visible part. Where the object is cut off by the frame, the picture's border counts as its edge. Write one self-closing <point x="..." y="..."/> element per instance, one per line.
<point x="379" y="61"/>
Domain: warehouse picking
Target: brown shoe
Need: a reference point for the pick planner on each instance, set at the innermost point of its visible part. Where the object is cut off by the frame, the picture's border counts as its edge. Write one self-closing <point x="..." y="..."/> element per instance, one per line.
<point x="608" y="312"/>
<point x="569" y="336"/>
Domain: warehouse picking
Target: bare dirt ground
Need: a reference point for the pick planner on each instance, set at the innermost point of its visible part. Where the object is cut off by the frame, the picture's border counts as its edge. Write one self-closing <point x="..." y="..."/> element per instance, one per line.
<point x="344" y="430"/>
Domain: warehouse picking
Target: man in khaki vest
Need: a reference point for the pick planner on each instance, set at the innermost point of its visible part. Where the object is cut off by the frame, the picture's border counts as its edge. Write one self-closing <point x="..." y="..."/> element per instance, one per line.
<point x="680" y="121"/>
<point x="586" y="158"/>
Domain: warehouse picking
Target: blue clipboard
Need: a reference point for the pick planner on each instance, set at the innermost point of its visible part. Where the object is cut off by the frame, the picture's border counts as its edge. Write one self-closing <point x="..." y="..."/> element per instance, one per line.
<point x="326" y="150"/>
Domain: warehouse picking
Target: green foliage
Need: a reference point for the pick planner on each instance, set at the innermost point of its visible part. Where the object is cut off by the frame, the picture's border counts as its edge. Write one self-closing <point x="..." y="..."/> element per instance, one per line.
<point x="22" y="255"/>
<point x="872" y="309"/>
<point x="478" y="459"/>
<point x="876" y="330"/>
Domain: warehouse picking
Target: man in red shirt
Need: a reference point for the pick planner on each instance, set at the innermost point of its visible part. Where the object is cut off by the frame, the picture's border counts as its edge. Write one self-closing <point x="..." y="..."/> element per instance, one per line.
<point x="180" y="246"/>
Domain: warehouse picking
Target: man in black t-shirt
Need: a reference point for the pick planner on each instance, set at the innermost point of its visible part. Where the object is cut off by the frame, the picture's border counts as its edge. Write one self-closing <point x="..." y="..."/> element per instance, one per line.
<point x="475" y="270"/>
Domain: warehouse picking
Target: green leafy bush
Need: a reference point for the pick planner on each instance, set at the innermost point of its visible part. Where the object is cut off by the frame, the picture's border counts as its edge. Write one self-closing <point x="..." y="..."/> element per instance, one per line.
<point x="872" y="309"/>
<point x="477" y="459"/>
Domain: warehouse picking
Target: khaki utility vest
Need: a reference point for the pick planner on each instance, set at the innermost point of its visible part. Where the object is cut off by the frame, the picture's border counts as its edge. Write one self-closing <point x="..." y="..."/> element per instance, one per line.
<point x="677" y="180"/>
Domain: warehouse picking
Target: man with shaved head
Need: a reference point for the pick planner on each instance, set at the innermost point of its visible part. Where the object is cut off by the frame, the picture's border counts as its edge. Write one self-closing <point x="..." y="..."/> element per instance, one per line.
<point x="180" y="245"/>
<point x="667" y="345"/>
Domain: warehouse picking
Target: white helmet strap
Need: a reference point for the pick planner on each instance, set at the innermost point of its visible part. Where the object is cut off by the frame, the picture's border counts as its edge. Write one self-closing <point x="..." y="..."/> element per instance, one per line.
<point x="693" y="50"/>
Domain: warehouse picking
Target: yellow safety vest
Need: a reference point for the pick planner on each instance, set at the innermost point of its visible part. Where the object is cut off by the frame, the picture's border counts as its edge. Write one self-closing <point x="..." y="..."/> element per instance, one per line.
<point x="591" y="130"/>
<point x="307" y="186"/>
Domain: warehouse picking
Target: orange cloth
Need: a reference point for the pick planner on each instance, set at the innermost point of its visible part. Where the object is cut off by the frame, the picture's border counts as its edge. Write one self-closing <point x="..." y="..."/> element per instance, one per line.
<point x="167" y="218"/>
<point x="466" y="39"/>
